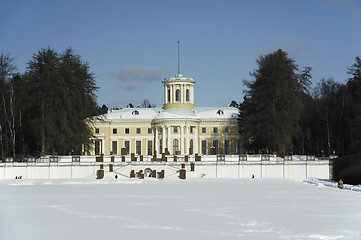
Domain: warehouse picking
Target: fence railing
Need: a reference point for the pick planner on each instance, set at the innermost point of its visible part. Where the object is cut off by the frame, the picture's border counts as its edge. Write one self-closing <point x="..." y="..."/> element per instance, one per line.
<point x="134" y="158"/>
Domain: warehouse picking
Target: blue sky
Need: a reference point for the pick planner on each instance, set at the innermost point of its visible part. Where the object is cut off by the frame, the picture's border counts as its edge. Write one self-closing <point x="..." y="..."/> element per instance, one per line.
<point x="131" y="46"/>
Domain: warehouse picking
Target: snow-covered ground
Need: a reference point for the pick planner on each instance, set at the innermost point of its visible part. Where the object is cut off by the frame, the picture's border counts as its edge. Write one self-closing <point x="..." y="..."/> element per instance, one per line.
<point x="178" y="209"/>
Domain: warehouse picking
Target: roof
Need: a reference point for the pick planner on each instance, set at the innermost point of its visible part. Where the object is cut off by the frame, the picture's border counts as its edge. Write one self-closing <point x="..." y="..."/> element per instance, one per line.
<point x="211" y="113"/>
<point x="179" y="78"/>
<point x="153" y="114"/>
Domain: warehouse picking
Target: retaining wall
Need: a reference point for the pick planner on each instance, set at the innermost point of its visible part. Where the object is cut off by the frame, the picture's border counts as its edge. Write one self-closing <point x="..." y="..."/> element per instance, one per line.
<point x="211" y="166"/>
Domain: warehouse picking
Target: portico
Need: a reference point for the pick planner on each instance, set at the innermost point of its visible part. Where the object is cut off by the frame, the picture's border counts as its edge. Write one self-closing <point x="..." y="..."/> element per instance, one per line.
<point x="178" y="137"/>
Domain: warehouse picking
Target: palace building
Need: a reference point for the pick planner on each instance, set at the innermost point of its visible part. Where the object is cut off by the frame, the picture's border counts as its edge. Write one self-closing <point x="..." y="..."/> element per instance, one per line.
<point x="178" y="128"/>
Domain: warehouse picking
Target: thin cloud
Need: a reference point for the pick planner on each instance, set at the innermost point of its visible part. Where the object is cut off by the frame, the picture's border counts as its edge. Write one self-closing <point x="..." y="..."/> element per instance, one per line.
<point x="293" y="44"/>
<point x="136" y="77"/>
<point x="337" y="2"/>
<point x="119" y="103"/>
<point x="130" y="84"/>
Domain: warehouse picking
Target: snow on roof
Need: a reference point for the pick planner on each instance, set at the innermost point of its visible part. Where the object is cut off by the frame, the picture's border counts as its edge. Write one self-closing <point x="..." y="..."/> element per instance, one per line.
<point x="179" y="78"/>
<point x="149" y="114"/>
<point x="132" y="114"/>
<point x="177" y="114"/>
<point x="217" y="112"/>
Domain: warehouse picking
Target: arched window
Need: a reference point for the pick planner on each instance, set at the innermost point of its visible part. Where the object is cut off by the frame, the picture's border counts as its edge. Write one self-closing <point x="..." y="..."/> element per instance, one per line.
<point x="175" y="146"/>
<point x="177" y="95"/>
<point x="187" y="95"/>
<point x="135" y="112"/>
<point x="220" y="112"/>
<point x="168" y="95"/>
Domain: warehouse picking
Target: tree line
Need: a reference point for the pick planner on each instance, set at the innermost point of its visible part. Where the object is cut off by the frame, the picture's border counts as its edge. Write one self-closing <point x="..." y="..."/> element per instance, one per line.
<point x="281" y="112"/>
<point x="43" y="109"/>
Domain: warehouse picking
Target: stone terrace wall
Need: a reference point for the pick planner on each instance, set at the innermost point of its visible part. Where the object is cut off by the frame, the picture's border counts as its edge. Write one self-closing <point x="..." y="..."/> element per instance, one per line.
<point x="212" y="166"/>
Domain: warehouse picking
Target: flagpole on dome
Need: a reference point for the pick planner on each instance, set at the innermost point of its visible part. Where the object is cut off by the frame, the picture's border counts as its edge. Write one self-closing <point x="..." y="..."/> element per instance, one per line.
<point x="179" y="75"/>
<point x="178" y="60"/>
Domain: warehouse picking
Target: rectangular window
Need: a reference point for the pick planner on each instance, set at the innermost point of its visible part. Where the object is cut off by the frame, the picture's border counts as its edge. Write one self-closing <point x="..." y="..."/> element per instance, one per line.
<point x="127" y="146"/>
<point x="226" y="130"/>
<point x="150" y="147"/>
<point x="97" y="147"/>
<point x="97" y="130"/>
<point x="204" y="130"/>
<point x="138" y="147"/>
<point x="204" y="147"/>
<point x="115" y="147"/>
<point x="215" y="130"/>
<point x="127" y="131"/>
<point x="191" y="129"/>
<point x="238" y="148"/>
<point x="227" y="149"/>
<point x="175" y="146"/>
<point x="138" y="130"/>
<point x="149" y="130"/>
<point x="215" y="145"/>
<point x="115" y="131"/>
<point x="175" y="129"/>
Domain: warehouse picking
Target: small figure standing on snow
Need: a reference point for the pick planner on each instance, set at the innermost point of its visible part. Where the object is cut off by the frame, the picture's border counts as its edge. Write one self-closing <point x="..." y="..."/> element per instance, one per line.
<point x="252" y="175"/>
<point x="340" y="184"/>
<point x="116" y="176"/>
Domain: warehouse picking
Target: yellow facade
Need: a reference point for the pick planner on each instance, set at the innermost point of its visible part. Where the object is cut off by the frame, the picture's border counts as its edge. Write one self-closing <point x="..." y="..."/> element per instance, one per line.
<point x="178" y="128"/>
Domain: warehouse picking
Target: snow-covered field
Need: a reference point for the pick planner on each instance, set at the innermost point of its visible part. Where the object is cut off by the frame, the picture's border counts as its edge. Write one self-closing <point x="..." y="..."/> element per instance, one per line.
<point x="176" y="209"/>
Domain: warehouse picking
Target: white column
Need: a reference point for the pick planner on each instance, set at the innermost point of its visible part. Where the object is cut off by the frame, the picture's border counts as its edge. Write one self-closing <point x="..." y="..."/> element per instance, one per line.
<point x="195" y="139"/>
<point x="169" y="140"/>
<point x="185" y="91"/>
<point x="165" y="94"/>
<point x="192" y="94"/>
<point x="187" y="139"/>
<point x="170" y="92"/>
<point x="181" y="90"/>
<point x="144" y="147"/>
<point x="163" y="139"/>
<point x="183" y="94"/>
<point x="156" y="142"/>
<point x="182" y="140"/>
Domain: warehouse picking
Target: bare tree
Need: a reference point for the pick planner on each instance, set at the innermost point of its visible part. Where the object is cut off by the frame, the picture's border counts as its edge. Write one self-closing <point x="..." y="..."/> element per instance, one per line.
<point x="6" y="70"/>
<point x="11" y="119"/>
<point x="146" y="104"/>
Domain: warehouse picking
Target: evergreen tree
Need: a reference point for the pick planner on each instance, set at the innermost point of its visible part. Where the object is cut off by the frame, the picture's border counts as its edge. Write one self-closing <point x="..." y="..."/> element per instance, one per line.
<point x="273" y="104"/>
<point x="234" y="104"/>
<point x="102" y="110"/>
<point x="79" y="103"/>
<point x="45" y="87"/>
<point x="63" y="96"/>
